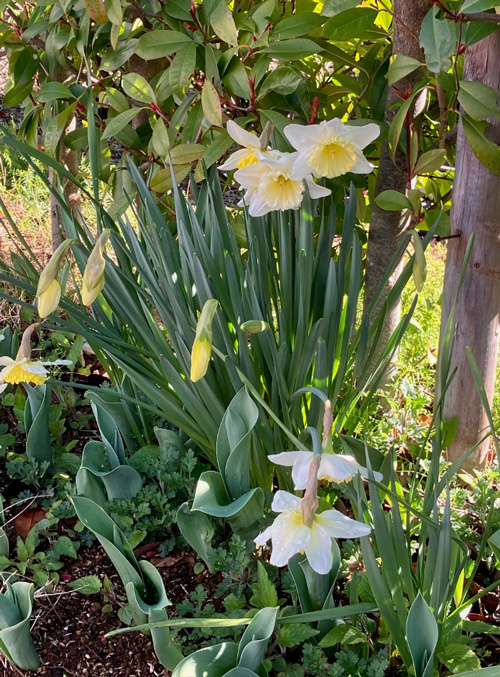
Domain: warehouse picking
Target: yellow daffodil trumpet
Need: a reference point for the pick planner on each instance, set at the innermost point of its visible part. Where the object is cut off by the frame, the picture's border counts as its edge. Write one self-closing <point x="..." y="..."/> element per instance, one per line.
<point x="93" y="276"/>
<point x="202" y="346"/>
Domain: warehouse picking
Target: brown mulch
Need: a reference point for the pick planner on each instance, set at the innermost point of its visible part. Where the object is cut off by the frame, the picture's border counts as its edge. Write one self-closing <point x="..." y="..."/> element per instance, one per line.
<point x="68" y="628"/>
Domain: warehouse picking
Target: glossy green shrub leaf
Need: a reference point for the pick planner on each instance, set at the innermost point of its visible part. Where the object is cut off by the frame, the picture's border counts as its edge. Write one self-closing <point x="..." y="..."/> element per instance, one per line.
<point x="485" y="150"/>
<point x="422" y="633"/>
<point x="221" y="20"/>
<point x="478" y="100"/>
<point x="291" y="50"/>
<point x="182" y="68"/>
<point x="393" y="201"/>
<point x="437" y="39"/>
<point x="400" y="67"/>
<point x="350" y="24"/>
<point x="158" y="44"/>
<point x="116" y="124"/>
<point x="477" y="6"/>
<point x="211" y="104"/>
<point x="333" y="7"/>
<point x="50" y="91"/>
<point x="283" y="80"/>
<point x="138" y="88"/>
<point x="430" y="161"/>
<point x="297" y="25"/>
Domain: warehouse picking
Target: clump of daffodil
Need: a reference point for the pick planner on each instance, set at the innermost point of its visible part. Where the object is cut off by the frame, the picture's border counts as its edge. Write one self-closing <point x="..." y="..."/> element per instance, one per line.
<point x="332" y="148"/>
<point x="93" y="276"/>
<point x="23" y="369"/>
<point x="202" y="346"/>
<point x="48" y="291"/>
<point x="252" y="144"/>
<point x="276" y="182"/>
<point x="300" y="527"/>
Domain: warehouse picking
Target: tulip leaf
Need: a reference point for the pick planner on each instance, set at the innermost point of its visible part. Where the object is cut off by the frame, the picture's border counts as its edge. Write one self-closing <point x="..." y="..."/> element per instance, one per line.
<point x="197" y="529"/>
<point x="213" y="660"/>
<point x="16" y="605"/>
<point x="36" y="421"/>
<point x="422" y="633"/>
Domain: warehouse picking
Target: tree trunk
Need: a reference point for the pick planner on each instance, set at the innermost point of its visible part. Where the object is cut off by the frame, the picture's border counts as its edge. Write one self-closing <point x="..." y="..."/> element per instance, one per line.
<point x="475" y="209"/>
<point x="386" y="227"/>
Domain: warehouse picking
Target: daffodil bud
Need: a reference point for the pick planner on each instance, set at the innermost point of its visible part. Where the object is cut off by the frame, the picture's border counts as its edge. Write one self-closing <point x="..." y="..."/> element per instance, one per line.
<point x="202" y="346"/>
<point x="49" y="299"/>
<point x="254" y="326"/>
<point x="93" y="276"/>
<point x="49" y="289"/>
<point x="24" y="352"/>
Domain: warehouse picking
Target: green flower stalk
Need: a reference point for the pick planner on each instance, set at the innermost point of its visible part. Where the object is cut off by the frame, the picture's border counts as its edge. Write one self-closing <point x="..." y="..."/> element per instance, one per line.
<point x="202" y="346"/>
<point x="93" y="276"/>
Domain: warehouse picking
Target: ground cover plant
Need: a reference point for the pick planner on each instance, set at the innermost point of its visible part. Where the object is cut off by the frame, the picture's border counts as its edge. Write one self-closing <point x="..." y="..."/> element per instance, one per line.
<point x="225" y="441"/>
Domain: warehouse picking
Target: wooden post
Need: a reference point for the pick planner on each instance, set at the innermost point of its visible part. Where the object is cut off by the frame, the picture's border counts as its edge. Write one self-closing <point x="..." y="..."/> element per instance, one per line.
<point x="475" y="209"/>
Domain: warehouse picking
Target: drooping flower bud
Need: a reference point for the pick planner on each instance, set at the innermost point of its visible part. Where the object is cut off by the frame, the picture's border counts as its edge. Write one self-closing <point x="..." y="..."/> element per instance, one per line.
<point x="202" y="346"/>
<point x="24" y="352"/>
<point x="49" y="288"/>
<point x="93" y="276"/>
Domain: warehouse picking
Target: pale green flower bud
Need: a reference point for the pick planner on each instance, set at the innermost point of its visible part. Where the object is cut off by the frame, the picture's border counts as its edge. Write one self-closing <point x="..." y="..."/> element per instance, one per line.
<point x="254" y="326"/>
<point x="202" y="346"/>
<point x="93" y="276"/>
<point x="48" y="300"/>
<point x="49" y="289"/>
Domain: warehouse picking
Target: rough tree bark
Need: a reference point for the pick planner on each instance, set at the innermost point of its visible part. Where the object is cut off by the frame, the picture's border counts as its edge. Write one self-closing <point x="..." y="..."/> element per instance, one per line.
<point x="476" y="209"/>
<point x="386" y="227"/>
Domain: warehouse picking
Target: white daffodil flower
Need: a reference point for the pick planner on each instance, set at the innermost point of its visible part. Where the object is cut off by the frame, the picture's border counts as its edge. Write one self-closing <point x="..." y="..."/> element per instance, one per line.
<point x="333" y="467"/>
<point x="289" y="535"/>
<point x="331" y="148"/>
<point x="248" y="154"/>
<point x="24" y="370"/>
<point x="276" y="183"/>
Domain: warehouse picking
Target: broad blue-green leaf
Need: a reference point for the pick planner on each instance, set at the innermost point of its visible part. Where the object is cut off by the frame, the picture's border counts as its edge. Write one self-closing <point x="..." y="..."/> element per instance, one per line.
<point x="16" y="605"/>
<point x="213" y="660"/>
<point x="36" y="421"/>
<point x="478" y="100"/>
<point x="253" y="644"/>
<point x="350" y="24"/>
<point x="437" y="39"/>
<point x="422" y="634"/>
<point x="158" y="44"/>
<point x="197" y="529"/>
<point x="120" y="481"/>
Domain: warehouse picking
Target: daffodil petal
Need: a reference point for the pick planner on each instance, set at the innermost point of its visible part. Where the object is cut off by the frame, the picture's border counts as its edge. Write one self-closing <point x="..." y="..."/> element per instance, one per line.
<point x="300" y="136"/>
<point x="258" y="207"/>
<point x="363" y="135"/>
<point x="264" y="536"/>
<point x="319" y="550"/>
<point x="284" y="501"/>
<point x="337" y="467"/>
<point x="5" y="360"/>
<point x="2" y="387"/>
<point x="315" y="190"/>
<point x="35" y="368"/>
<point x="300" y="471"/>
<point x="241" y="136"/>
<point x="234" y="159"/>
<point x="290" y="536"/>
<point x="288" y="458"/>
<point x="362" y="166"/>
<point x="338" y="525"/>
